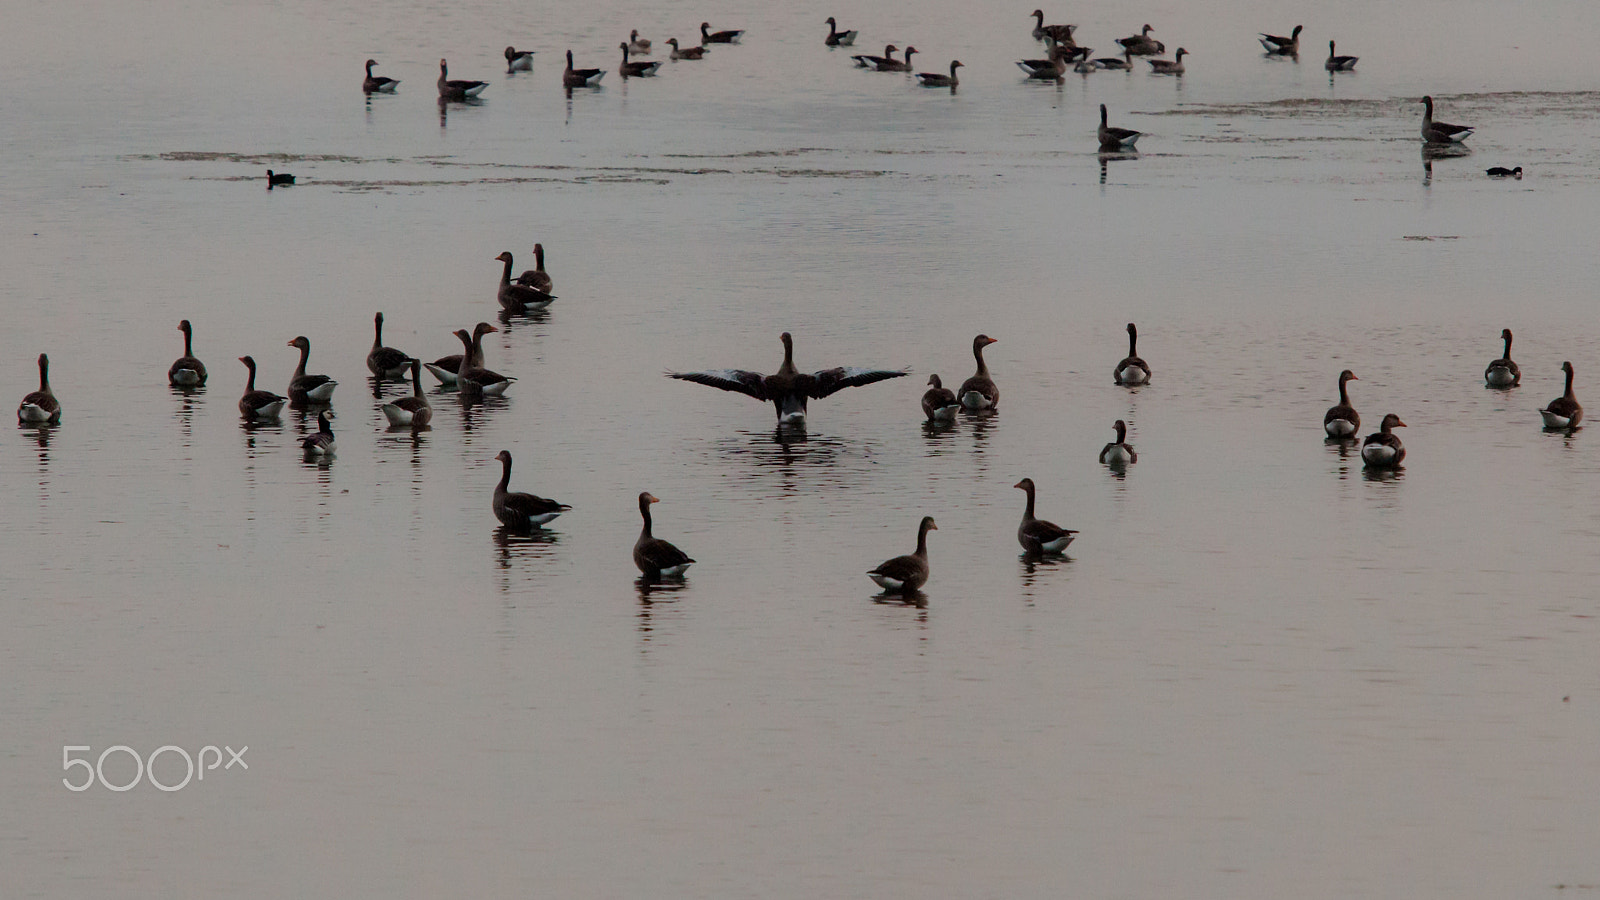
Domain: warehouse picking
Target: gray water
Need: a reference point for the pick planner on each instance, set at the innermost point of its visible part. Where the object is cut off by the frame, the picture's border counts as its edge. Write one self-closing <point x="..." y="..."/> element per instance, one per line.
<point x="1260" y="672"/>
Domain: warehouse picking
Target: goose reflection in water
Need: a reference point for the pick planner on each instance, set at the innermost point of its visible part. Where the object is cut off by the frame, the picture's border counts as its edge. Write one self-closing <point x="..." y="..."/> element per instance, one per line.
<point x="1035" y="568"/>
<point x="1108" y="157"/>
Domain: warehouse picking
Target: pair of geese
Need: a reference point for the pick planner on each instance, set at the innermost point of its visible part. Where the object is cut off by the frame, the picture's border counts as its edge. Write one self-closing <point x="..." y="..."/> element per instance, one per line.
<point x="655" y="557"/>
<point x="1278" y="45"/>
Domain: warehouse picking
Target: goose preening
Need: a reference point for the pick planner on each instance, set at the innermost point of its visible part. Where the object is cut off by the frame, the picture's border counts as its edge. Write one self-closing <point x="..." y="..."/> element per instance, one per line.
<point x="788" y="389"/>
<point x="936" y="79"/>
<point x="1142" y="44"/>
<point x="1121" y="63"/>
<point x="707" y="36"/>
<point x="1119" y="452"/>
<point x="1503" y="372"/>
<point x="413" y="410"/>
<point x="321" y="443"/>
<point x="1282" y="46"/>
<point x="638" y="44"/>
<point x="905" y="574"/>
<point x="519" y="297"/>
<point x="279" y="179"/>
<point x="837" y="38"/>
<point x="655" y="557"/>
<point x="518" y="60"/>
<point x="872" y="62"/>
<point x="519" y="511"/>
<point x="536" y="277"/>
<point x="1132" y="370"/>
<point x="187" y="371"/>
<point x="1563" y="412"/>
<point x="901" y="65"/>
<point x="685" y="52"/>
<point x="580" y="77"/>
<point x="1383" y="450"/>
<point x="472" y="377"/>
<point x="385" y="362"/>
<point x="1337" y="63"/>
<point x="1342" y="420"/>
<point x="1440" y="132"/>
<point x="636" y="69"/>
<point x="378" y="84"/>
<point x="1503" y="172"/>
<point x="1037" y="536"/>
<point x="980" y="392"/>
<point x="305" y="388"/>
<point x="1172" y="66"/>
<point x="1116" y="140"/>
<point x="445" y="367"/>
<point x="257" y="404"/>
<point x="1062" y="33"/>
<point x="40" y="407"/>
<point x="457" y="89"/>
<point x="939" y="403"/>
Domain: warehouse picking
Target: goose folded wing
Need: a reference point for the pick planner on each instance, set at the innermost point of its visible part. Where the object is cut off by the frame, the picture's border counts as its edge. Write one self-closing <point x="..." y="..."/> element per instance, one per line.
<point x="830" y="381"/>
<point x="737" y="380"/>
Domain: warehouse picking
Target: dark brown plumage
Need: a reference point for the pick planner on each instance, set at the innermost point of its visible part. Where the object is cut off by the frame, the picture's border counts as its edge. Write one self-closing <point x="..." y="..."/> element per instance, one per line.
<point x="707" y="36"/>
<point x="519" y="298"/>
<point x="580" y="77"/>
<point x="685" y="52"/>
<point x="385" y="362"/>
<point x="939" y="403"/>
<point x="655" y="557"/>
<point x="788" y="389"/>
<point x="906" y="574"/>
<point x="1037" y="536"/>
<point x="445" y="367"/>
<point x="1342" y="420"/>
<point x="519" y="511"/>
<point x="636" y="69"/>
<point x="1119" y="452"/>
<point x="258" y="404"/>
<point x="1132" y="369"/>
<point x="321" y="443"/>
<point x="40" y="407"/>
<point x="1564" y="411"/>
<point x="187" y="371"/>
<point x="472" y="378"/>
<point x="1503" y="372"/>
<point x="980" y="392"/>
<point x="457" y="89"/>
<point x="1383" y="450"/>
<point x="414" y="410"/>
<point x="305" y="388"/>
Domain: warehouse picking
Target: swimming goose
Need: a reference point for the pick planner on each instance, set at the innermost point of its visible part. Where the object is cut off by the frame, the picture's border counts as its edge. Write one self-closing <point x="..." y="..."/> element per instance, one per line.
<point x="1142" y="44"/>
<point x="718" y="37"/>
<point x="1118" y="453"/>
<point x="187" y="371"/>
<point x="385" y="362"/>
<point x="278" y="179"/>
<point x="305" y="388"/>
<point x="536" y="277"/>
<point x="1440" y="132"/>
<point x="636" y="69"/>
<point x="655" y="557"/>
<point x="837" y="38"/>
<point x="686" y="52"/>
<point x="1086" y="66"/>
<point x="580" y="77"/>
<point x="518" y="60"/>
<point x="1037" y="536"/>
<point x="374" y="84"/>
<point x="872" y="62"/>
<point x="457" y="89"/>
<point x="1338" y="63"/>
<point x="1116" y="140"/>
<point x="445" y="367"/>
<point x="935" y="79"/>
<point x="472" y="378"/>
<point x="1053" y="50"/>
<point x="788" y="389"/>
<point x="1121" y="63"/>
<point x="1132" y="370"/>
<point x="1503" y="372"/>
<point x="980" y="391"/>
<point x="1062" y="33"/>
<point x="1173" y="66"/>
<point x="939" y="403"/>
<point x="1563" y="412"/>
<point x="40" y="407"/>
<point x="321" y="443"/>
<point x="1503" y="172"/>
<point x="519" y="511"/>
<point x="519" y="297"/>
<point x="902" y="65"/>
<point x="256" y="404"/>
<point x="1282" y="46"/>
<point x="638" y="44"/>
<point x="905" y="574"/>
<point x="1342" y="420"/>
<point x="414" y="410"/>
<point x="1051" y="69"/>
<point x="1384" y="450"/>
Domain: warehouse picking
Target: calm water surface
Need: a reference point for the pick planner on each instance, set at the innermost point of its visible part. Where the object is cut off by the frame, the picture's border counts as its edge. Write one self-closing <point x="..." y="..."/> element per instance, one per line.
<point x="1261" y="671"/>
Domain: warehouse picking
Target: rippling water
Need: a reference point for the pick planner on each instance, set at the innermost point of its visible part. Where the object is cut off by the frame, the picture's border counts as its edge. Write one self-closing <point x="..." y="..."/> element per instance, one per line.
<point x="1260" y="671"/>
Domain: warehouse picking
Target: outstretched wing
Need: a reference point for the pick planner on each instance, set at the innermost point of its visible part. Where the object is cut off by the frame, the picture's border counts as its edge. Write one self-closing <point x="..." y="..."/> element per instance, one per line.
<point x="830" y="381"/>
<point x="737" y="380"/>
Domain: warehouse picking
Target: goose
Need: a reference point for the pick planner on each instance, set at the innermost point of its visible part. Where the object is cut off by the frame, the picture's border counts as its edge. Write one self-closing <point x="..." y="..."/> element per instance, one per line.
<point x="187" y="371"/>
<point x="580" y="77"/>
<point x="980" y="392"/>
<point x="40" y="407"/>
<point x="1132" y="370"/>
<point x="901" y="65"/>
<point x="519" y="511"/>
<point x="872" y="62"/>
<point x="1116" y="140"/>
<point x="1086" y="66"/>
<point x="1119" y="453"/>
<point x="638" y="44"/>
<point x="936" y="79"/>
<point x="1051" y="69"/>
<point x="279" y="179"/>
<point x="636" y="69"/>
<point x="1563" y="412"/>
<point x="1503" y="172"/>
<point x="1440" y="132"/>
<point x="1337" y="63"/>
<point x="905" y="574"/>
<point x="413" y="410"/>
<point x="788" y="389"/>
<point x="1282" y="46"/>
<point x="1383" y="450"/>
<point x="939" y="404"/>
<point x="378" y="84"/>
<point x="1342" y="420"/>
<point x="1142" y="44"/>
<point x="1503" y="372"/>
<point x="686" y="52"/>
<point x="707" y="36"/>
<point x="1062" y="33"/>
<point x="655" y="557"/>
<point x="385" y="362"/>
<point x="837" y="38"/>
<point x="255" y="404"/>
<point x="1172" y="66"/>
<point x="321" y="443"/>
<point x="519" y="297"/>
<point x="1122" y="63"/>
<point x="305" y="388"/>
<point x="1037" y="536"/>
<point x="457" y="89"/>
<point x="445" y="367"/>
<point x="518" y="60"/>
<point x="472" y="378"/>
<point x="1066" y="53"/>
<point x="536" y="277"/>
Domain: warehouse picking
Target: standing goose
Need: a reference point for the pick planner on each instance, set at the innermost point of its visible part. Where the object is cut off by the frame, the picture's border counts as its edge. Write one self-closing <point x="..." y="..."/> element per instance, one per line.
<point x="187" y="371"/>
<point x="321" y="443"/>
<point x="385" y="362"/>
<point x="279" y="179"/>
<point x="256" y="404"/>
<point x="519" y="297"/>
<point x="1116" y="140"/>
<point x="519" y="511"/>
<point x="788" y="389"/>
<point x="518" y="60"/>
<point x="707" y="36"/>
<point x="445" y="367"/>
<point x="1503" y="372"/>
<point x="935" y="79"/>
<point x="1440" y="132"/>
<point x="1172" y="66"/>
<point x="837" y="38"/>
<point x="939" y="403"/>
<point x="1037" y="536"/>
<point x="536" y="277"/>
<point x="1142" y="44"/>
<point x="905" y="574"/>
<point x="1342" y="420"/>
<point x="413" y="410"/>
<point x="872" y="62"/>
<point x="1119" y="453"/>
<point x="1132" y="370"/>
<point x="580" y="77"/>
<point x="980" y="392"/>
<point x="472" y="377"/>
<point x="636" y="69"/>
<point x="638" y="44"/>
<point x="305" y="388"/>
<point x="457" y="89"/>
<point x="902" y="65"/>
<point x="1337" y="63"/>
<point x="376" y="84"/>
<point x="1282" y="46"/>
<point x="1563" y="412"/>
<point x="40" y="407"/>
<point x="685" y="52"/>
<point x="655" y="557"/>
<point x="1384" y="450"/>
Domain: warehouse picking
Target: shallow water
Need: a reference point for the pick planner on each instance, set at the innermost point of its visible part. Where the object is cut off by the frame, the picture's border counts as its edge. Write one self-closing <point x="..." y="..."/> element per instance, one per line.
<point x="1261" y="670"/>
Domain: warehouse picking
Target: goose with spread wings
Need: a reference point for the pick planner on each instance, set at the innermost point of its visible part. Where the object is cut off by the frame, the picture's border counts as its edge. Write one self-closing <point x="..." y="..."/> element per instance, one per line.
<point x="788" y="389"/>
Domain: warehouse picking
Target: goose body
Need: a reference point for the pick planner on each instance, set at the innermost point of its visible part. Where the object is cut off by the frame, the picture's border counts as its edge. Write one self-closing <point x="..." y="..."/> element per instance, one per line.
<point x="278" y="179"/>
<point x="40" y="407"/>
<point x="1172" y="66"/>
<point x="655" y="557"/>
<point x="1440" y="132"/>
<point x="321" y="443"/>
<point x="1121" y="63"/>
<point x="187" y="371"/>
<point x="385" y="362"/>
<point x="472" y="378"/>
<point x="686" y="52"/>
<point x="518" y="60"/>
<point x="638" y="44"/>
<point x="413" y="410"/>
<point x="901" y="65"/>
<point x="536" y="277"/>
<point x="1282" y="46"/>
<point x="378" y="84"/>
<point x="939" y="403"/>
<point x="1116" y="140"/>
<point x="1052" y="69"/>
<point x="1337" y="63"/>
<point x="1041" y="31"/>
<point x="636" y="69"/>
<point x="1383" y="450"/>
<point x="905" y="574"/>
<point x="980" y="392"/>
<point x="1503" y="172"/>
<point x="1342" y="420"/>
<point x="837" y="38"/>
<point x="519" y="297"/>
<point x="1118" y="453"/>
<point x="1037" y="536"/>
<point x="519" y="511"/>
<point x="872" y="62"/>
<point x="788" y="389"/>
<point x="1142" y="44"/>
<point x="1132" y="370"/>
<point x="580" y="77"/>
<point x="445" y="367"/>
<point x="1564" y="411"/>
<point x="305" y="388"/>
<point x="457" y="89"/>
<point x="1086" y="66"/>
<point x="257" y="404"/>
<point x="935" y="79"/>
<point x="707" y="36"/>
<point x="1503" y="372"/>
